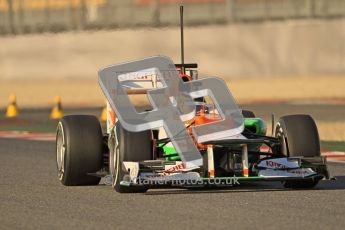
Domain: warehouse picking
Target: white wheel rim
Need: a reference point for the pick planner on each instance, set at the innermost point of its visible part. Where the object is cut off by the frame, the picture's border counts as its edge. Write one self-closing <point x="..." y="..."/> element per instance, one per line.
<point x="115" y="165"/>
<point x="60" y="152"/>
<point x="280" y="135"/>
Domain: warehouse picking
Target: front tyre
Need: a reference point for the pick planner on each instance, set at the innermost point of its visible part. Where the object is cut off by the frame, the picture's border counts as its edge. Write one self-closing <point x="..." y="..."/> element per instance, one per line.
<point x="298" y="136"/>
<point x="78" y="149"/>
<point x="127" y="146"/>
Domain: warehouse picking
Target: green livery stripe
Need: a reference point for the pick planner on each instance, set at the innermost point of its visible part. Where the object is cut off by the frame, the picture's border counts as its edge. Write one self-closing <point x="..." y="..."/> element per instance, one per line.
<point x="170" y="153"/>
<point x="256" y="124"/>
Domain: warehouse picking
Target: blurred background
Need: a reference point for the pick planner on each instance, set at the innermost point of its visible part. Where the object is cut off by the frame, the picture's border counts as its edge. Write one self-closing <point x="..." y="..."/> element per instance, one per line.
<point x="36" y="16"/>
<point x="281" y="56"/>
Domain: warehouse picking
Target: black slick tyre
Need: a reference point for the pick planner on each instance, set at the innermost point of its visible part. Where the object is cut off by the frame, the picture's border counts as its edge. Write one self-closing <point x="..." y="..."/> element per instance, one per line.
<point x="78" y="149"/>
<point x="128" y="146"/>
<point x="298" y="136"/>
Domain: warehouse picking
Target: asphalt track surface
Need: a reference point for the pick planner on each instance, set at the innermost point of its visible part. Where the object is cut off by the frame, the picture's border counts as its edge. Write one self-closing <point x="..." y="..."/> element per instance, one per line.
<point x="31" y="197"/>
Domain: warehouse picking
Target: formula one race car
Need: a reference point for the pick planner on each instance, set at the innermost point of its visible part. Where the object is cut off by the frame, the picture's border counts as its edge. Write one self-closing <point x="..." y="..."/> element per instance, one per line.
<point x="150" y="158"/>
<point x="138" y="161"/>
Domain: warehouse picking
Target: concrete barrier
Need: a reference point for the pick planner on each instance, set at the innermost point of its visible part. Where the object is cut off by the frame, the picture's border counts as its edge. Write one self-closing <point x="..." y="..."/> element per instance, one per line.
<point x="283" y="48"/>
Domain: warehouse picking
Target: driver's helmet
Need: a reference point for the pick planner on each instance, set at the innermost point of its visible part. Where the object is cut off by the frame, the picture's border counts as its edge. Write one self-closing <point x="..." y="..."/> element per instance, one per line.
<point x="202" y="107"/>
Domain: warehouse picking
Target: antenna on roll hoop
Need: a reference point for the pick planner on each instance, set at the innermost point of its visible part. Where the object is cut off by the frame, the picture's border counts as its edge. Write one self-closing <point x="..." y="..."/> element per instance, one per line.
<point x="182" y="41"/>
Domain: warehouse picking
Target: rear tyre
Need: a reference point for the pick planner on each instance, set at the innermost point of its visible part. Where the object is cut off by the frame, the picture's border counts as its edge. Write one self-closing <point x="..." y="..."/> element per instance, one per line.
<point x="128" y="146"/>
<point x="298" y="137"/>
<point x="78" y="149"/>
<point x="248" y="114"/>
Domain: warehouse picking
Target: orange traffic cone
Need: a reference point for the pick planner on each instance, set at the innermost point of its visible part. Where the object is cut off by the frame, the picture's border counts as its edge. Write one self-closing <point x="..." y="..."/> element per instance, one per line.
<point x="57" y="111"/>
<point x="12" y="110"/>
<point x="104" y="112"/>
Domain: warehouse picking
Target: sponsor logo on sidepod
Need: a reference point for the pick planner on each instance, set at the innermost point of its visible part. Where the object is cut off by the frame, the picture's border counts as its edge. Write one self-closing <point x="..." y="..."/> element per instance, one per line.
<point x="273" y="164"/>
